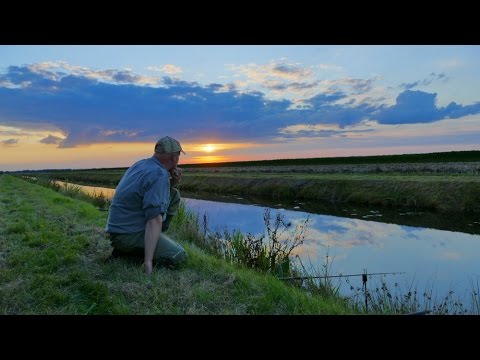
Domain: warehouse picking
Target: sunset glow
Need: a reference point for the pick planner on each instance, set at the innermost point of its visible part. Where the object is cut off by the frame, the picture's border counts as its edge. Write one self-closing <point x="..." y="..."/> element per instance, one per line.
<point x="207" y="159"/>
<point x="107" y="105"/>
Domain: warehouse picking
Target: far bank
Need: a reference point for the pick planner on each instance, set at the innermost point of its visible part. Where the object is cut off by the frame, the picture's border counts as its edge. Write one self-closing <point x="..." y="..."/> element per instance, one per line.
<point x="444" y="193"/>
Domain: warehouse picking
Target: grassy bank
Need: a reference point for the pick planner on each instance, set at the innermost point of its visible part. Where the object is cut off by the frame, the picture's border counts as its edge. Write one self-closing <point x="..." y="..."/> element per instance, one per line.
<point x="449" y="193"/>
<point x="55" y="260"/>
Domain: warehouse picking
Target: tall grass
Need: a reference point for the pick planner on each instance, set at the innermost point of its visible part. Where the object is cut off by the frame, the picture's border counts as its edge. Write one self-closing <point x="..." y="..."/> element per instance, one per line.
<point x="269" y="252"/>
<point x="396" y="300"/>
<point x="316" y="279"/>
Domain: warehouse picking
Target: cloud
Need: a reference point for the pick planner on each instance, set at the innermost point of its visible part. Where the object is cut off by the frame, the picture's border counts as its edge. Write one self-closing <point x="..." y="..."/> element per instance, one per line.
<point x="427" y="81"/>
<point x="419" y="107"/>
<point x="326" y="130"/>
<point x="451" y="63"/>
<point x="6" y="131"/>
<point x="9" y="142"/>
<point x="167" y="69"/>
<point x="47" y="75"/>
<point x="279" y="76"/>
<point x="51" y="139"/>
<point x="289" y="71"/>
<point x="120" y="106"/>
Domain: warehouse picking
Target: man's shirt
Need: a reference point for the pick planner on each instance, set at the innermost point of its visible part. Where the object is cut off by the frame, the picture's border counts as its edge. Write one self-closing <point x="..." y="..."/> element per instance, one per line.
<point x="142" y="194"/>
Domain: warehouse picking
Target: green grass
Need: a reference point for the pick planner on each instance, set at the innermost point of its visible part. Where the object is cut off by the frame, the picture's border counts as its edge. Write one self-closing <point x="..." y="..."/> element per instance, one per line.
<point x="55" y="260"/>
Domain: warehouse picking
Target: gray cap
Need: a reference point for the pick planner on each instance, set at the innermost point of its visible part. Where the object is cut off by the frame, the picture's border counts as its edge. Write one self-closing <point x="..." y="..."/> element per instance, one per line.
<point x="168" y="145"/>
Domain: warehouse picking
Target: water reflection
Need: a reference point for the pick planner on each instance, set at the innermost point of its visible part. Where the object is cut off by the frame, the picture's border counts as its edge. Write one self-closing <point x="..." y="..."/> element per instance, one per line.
<point x="91" y="190"/>
<point x="430" y="258"/>
<point x="461" y="222"/>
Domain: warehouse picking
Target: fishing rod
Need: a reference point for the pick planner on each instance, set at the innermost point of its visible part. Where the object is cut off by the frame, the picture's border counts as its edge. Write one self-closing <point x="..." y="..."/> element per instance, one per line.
<point x="337" y="276"/>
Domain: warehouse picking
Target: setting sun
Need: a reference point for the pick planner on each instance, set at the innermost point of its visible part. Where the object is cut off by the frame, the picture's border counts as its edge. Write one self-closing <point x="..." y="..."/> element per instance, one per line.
<point x="209" y="148"/>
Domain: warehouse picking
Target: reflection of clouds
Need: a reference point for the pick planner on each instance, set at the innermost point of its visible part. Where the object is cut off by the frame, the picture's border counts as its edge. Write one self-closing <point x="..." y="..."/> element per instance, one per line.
<point x="436" y="238"/>
<point x="347" y="233"/>
<point x="305" y="250"/>
<point x="355" y="244"/>
<point x="450" y="255"/>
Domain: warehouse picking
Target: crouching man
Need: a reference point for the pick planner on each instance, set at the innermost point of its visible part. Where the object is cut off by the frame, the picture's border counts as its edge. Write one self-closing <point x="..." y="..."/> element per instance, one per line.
<point x="143" y="205"/>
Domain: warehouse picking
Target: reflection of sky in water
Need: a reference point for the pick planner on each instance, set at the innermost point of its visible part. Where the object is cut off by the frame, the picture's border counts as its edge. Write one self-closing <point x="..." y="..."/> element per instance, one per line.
<point x="442" y="259"/>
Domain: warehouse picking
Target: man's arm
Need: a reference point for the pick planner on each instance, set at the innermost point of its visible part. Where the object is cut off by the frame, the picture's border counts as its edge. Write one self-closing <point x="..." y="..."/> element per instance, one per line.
<point x="152" y="233"/>
<point x="175" y="176"/>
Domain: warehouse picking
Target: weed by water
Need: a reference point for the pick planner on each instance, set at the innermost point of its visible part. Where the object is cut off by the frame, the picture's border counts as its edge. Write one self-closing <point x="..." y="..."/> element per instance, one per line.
<point x="268" y="252"/>
<point x="316" y="280"/>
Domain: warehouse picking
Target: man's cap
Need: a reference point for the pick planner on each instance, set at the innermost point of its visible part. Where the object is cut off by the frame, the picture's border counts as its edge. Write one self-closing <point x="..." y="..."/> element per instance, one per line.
<point x="168" y="145"/>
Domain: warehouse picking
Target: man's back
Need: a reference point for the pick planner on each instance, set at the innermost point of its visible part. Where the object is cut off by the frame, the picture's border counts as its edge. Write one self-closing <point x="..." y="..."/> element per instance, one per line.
<point x="142" y="193"/>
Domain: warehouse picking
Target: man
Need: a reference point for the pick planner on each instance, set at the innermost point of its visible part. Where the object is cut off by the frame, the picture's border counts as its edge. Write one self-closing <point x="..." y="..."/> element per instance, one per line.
<point x="143" y="206"/>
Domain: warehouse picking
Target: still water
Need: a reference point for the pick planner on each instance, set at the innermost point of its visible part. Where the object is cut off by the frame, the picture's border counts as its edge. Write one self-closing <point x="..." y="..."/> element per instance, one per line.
<point x="363" y="239"/>
<point x="429" y="258"/>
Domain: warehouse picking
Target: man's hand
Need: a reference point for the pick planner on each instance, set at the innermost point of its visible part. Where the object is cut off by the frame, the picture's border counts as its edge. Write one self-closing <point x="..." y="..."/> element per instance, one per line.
<point x="176" y="174"/>
<point x="148" y="267"/>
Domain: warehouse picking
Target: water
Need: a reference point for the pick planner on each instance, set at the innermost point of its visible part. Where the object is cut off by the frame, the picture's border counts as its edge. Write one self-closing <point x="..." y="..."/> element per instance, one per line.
<point x="364" y="239"/>
<point x="430" y="258"/>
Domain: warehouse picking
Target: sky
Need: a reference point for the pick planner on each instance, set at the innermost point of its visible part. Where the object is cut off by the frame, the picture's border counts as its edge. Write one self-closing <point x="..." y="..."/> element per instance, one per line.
<point x="82" y="106"/>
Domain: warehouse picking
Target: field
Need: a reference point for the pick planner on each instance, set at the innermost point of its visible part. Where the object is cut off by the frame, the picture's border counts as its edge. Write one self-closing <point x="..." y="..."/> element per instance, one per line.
<point x="424" y="181"/>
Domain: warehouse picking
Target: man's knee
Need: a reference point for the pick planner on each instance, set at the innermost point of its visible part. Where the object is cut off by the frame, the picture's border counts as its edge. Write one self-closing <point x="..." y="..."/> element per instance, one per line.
<point x="169" y="251"/>
<point x="181" y="257"/>
<point x="175" y="261"/>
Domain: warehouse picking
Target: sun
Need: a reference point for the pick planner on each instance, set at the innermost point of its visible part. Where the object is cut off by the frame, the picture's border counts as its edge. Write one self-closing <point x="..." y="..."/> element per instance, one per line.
<point x="208" y="148"/>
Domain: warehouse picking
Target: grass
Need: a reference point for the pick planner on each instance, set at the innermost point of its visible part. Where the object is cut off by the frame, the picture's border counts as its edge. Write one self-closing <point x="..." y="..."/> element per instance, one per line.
<point x="55" y="260"/>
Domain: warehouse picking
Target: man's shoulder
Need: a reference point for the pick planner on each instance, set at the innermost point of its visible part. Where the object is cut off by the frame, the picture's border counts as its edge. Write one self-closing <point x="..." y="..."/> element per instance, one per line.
<point x="147" y="169"/>
<point x="136" y="165"/>
<point x="154" y="168"/>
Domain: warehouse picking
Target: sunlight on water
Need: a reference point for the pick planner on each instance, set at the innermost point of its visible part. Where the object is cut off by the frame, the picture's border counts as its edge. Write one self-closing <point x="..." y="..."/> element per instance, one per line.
<point x="93" y="190"/>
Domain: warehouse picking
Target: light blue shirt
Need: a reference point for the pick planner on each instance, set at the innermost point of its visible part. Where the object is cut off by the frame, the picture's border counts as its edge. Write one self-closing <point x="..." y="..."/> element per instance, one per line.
<point x="142" y="194"/>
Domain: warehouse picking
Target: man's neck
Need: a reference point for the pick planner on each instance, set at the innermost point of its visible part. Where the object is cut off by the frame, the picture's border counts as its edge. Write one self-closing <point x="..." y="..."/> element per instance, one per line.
<point x="163" y="160"/>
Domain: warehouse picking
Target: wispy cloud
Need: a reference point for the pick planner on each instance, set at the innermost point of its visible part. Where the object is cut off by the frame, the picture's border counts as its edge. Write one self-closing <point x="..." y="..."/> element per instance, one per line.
<point x="451" y="63"/>
<point x="51" y="139"/>
<point x="280" y="76"/>
<point x="48" y="75"/>
<point x="169" y="69"/>
<point x="9" y="142"/>
<point x="427" y="81"/>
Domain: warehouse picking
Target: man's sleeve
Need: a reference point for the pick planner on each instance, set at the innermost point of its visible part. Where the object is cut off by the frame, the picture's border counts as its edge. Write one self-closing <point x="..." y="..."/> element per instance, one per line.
<point x="156" y="196"/>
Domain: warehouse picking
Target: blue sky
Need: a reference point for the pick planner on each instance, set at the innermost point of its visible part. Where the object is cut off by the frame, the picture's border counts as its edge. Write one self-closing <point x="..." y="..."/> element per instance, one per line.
<point x="105" y="106"/>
